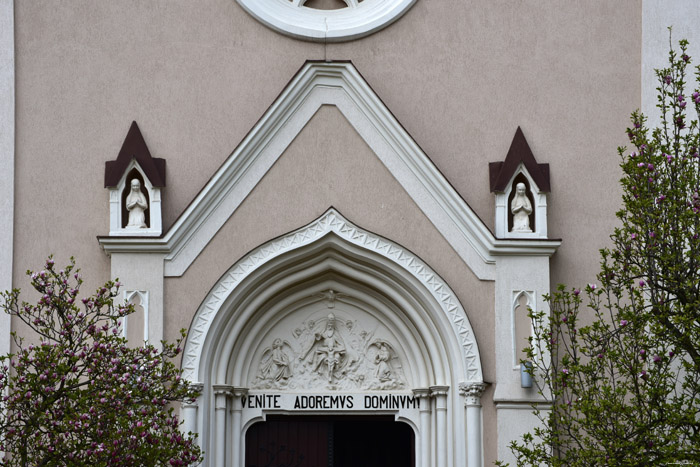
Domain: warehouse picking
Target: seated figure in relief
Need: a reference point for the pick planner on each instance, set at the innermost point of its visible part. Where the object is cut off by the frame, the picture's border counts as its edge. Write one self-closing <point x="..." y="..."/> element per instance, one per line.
<point x="275" y="366"/>
<point x="136" y="204"/>
<point x="329" y="352"/>
<point x="521" y="209"/>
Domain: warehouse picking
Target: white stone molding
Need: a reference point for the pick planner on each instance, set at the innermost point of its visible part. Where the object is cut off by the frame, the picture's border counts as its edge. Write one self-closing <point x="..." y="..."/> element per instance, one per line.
<point x="285" y="282"/>
<point x="221" y="396"/>
<point x="188" y="413"/>
<point x="424" y="434"/>
<point x="530" y="303"/>
<point x="129" y="296"/>
<point x="237" y="446"/>
<point x="439" y="393"/>
<point x="357" y="20"/>
<point x="340" y="85"/>
<point x="7" y="159"/>
<point x="539" y="230"/>
<point x="472" y="401"/>
<point x="116" y="221"/>
<point x="331" y="223"/>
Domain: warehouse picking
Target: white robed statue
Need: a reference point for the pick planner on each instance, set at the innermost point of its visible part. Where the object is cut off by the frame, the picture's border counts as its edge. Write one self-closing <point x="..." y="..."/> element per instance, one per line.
<point x="136" y="204"/>
<point x="521" y="209"/>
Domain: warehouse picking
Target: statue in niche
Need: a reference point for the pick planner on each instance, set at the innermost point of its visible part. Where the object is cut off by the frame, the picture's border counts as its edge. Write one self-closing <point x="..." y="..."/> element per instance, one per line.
<point x="329" y="351"/>
<point x="521" y="209"/>
<point x="136" y="204"/>
<point x="275" y="365"/>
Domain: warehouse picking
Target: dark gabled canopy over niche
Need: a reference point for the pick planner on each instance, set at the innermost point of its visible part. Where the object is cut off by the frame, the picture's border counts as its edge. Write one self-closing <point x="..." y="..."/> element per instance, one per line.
<point x="500" y="173"/>
<point x="134" y="147"/>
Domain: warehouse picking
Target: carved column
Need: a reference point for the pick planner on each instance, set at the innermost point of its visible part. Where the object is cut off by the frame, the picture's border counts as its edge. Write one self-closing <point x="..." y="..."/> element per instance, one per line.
<point x="237" y="459"/>
<point x="221" y="393"/>
<point x="472" y="403"/>
<point x="423" y="394"/>
<point x="189" y="413"/>
<point x="440" y="395"/>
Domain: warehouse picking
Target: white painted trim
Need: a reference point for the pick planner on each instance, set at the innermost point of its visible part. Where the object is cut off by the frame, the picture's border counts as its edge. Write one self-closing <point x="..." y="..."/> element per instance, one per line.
<point x="341" y="85"/>
<point x="525" y="405"/>
<point x="358" y="20"/>
<point x="7" y="159"/>
<point x="332" y="223"/>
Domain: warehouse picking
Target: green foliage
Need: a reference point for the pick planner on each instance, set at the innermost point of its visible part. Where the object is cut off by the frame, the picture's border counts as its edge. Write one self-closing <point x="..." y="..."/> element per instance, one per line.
<point x="626" y="387"/>
<point x="81" y="396"/>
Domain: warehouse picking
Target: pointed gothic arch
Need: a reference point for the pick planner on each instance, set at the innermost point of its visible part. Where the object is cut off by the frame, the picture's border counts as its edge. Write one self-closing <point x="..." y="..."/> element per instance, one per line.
<point x="377" y="280"/>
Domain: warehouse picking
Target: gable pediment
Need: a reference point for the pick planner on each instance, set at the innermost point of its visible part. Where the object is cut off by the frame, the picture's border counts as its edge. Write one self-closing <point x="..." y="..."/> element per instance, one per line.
<point x="337" y="84"/>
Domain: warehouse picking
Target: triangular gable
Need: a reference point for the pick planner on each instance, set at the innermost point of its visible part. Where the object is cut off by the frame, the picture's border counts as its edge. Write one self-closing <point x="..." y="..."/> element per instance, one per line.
<point x="134" y="147"/>
<point x="501" y="173"/>
<point x="339" y="84"/>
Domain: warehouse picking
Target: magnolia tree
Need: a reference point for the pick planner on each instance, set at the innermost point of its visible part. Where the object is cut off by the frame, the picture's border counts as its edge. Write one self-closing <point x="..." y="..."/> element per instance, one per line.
<point x="626" y="386"/>
<point x="79" y="395"/>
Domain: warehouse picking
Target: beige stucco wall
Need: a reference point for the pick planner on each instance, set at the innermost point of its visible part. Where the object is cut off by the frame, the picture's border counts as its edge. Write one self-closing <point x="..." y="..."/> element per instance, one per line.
<point x="459" y="75"/>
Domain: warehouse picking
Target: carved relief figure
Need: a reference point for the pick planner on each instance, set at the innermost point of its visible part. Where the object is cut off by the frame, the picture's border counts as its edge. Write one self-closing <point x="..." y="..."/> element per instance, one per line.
<point x="329" y="352"/>
<point x="384" y="371"/>
<point x="136" y="204"/>
<point x="521" y="209"/>
<point x="275" y="364"/>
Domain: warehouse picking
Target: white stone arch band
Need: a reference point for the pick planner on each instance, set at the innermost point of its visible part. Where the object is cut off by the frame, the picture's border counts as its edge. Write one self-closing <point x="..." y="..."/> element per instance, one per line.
<point x="331" y="222"/>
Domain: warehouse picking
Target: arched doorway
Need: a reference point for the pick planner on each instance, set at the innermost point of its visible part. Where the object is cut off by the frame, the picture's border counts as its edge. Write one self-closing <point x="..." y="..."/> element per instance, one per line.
<point x="322" y="441"/>
<point x="334" y="321"/>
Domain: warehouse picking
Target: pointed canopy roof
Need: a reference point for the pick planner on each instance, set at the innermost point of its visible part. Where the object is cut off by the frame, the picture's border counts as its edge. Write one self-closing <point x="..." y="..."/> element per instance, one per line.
<point x="134" y="147"/>
<point x="500" y="173"/>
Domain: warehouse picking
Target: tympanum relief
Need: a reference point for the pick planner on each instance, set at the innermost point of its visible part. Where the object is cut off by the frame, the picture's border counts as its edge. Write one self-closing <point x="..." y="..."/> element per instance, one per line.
<point x="330" y="353"/>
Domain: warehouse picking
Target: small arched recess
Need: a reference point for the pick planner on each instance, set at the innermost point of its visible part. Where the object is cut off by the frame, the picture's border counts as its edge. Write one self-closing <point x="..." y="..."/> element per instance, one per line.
<point x="290" y="287"/>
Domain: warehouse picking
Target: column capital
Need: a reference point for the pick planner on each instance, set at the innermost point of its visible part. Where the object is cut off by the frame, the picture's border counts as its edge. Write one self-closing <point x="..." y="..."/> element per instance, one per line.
<point x="472" y="392"/>
<point x="439" y="390"/>
<point x="421" y="392"/>
<point x="197" y="386"/>
<point x="222" y="389"/>
<point x="239" y="392"/>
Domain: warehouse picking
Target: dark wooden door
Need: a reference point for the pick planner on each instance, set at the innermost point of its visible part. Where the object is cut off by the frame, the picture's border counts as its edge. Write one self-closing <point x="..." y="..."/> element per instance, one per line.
<point x="330" y="442"/>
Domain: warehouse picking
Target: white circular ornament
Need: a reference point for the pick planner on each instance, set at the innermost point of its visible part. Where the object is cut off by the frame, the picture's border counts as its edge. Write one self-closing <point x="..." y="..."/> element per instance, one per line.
<point x="358" y="19"/>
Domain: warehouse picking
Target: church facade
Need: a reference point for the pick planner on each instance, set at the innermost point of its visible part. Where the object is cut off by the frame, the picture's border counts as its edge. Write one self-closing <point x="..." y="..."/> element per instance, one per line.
<point x="348" y="204"/>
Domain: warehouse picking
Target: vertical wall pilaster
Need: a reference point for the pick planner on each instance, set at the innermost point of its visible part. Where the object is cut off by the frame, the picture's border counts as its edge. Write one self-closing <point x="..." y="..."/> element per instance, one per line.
<point x="189" y="414"/>
<point x="472" y="404"/>
<point x="237" y="437"/>
<point x="424" y="449"/>
<point x="221" y="395"/>
<point x="7" y="159"/>
<point x="440" y="395"/>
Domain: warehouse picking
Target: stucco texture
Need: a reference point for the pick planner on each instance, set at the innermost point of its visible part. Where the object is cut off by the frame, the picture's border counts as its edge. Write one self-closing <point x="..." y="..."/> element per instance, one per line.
<point x="460" y="75"/>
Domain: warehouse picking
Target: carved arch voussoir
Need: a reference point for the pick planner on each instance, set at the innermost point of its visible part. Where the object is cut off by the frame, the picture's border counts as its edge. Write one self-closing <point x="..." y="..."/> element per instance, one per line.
<point x="332" y="222"/>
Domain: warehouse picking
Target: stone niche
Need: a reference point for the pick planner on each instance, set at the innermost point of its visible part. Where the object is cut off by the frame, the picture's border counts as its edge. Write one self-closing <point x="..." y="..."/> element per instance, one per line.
<point x="134" y="181"/>
<point x="520" y="186"/>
